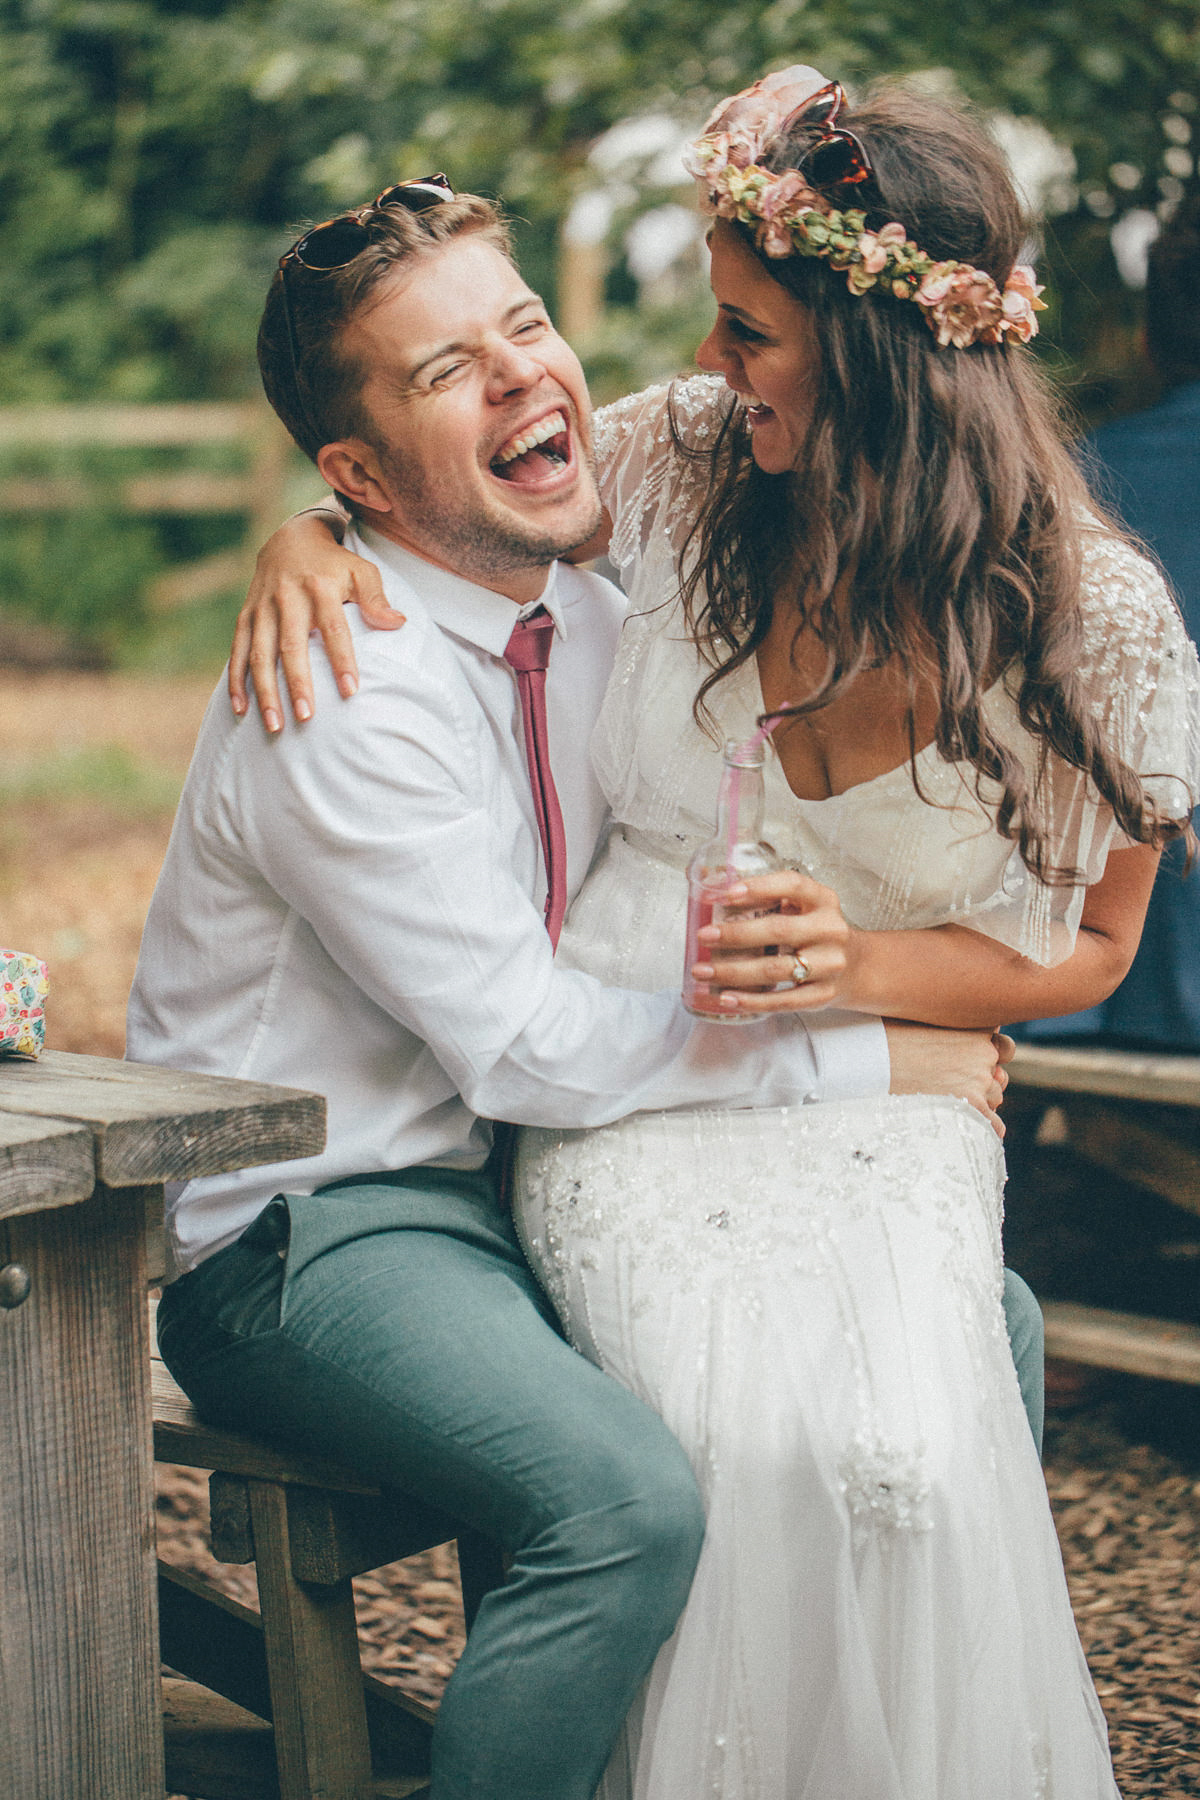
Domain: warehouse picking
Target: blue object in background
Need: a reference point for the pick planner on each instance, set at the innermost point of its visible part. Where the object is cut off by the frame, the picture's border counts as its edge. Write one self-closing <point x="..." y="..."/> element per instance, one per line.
<point x="1147" y="468"/>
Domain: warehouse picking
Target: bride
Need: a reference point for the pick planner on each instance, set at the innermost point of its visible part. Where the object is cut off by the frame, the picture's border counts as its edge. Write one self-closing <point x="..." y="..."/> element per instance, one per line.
<point x="862" y="520"/>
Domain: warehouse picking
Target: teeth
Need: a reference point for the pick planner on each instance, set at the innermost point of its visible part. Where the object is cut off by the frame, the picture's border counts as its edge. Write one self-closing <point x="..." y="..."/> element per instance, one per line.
<point x="537" y="434"/>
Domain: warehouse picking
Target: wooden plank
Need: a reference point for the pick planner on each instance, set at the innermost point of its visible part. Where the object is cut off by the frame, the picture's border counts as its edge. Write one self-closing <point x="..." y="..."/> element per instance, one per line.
<point x="1150" y="1158"/>
<point x="174" y="491"/>
<point x="214" y="1747"/>
<point x="230" y="1527"/>
<point x="1116" y="1074"/>
<point x="335" y="1534"/>
<point x="219" y="1750"/>
<point x="48" y="493"/>
<point x="189" y="422"/>
<point x="187" y="491"/>
<point x="158" y="1124"/>
<point x="214" y="1639"/>
<point x="321" y="1742"/>
<point x="43" y="1163"/>
<point x="78" y="1625"/>
<point x="184" y="586"/>
<point x="1160" y="1348"/>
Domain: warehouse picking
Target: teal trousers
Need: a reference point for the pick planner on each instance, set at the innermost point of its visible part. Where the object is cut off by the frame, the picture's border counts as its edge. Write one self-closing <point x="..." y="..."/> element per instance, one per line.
<point x="391" y="1322"/>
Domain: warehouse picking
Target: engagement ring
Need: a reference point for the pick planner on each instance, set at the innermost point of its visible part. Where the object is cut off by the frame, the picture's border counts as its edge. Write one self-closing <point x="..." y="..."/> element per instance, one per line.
<point x="800" y="971"/>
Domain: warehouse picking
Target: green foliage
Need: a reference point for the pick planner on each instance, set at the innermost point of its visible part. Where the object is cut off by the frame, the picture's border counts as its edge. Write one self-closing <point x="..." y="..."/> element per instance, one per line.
<point x="153" y="154"/>
<point x="157" y="155"/>
<point x="83" y="573"/>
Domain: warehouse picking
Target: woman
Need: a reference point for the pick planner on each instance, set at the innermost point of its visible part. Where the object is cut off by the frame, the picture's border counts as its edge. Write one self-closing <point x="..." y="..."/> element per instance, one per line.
<point x="988" y="712"/>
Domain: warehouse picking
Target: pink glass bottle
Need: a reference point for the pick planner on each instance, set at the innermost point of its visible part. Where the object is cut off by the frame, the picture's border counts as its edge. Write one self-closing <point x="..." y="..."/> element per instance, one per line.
<point x="736" y="849"/>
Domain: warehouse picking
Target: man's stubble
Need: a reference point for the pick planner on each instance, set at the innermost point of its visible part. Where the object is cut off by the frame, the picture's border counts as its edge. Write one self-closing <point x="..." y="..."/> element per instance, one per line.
<point x="471" y="539"/>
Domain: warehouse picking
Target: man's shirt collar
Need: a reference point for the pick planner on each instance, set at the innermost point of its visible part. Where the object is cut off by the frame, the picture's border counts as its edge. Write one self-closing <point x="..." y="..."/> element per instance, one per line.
<point x="477" y="614"/>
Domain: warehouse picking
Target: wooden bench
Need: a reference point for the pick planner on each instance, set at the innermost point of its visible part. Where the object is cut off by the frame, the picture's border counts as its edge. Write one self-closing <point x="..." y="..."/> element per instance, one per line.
<point x="310" y="1526"/>
<point x="1133" y="1115"/>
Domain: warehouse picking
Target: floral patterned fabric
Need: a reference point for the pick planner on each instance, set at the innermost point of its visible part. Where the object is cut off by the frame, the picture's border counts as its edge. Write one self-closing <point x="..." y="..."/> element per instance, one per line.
<point x="23" y="987"/>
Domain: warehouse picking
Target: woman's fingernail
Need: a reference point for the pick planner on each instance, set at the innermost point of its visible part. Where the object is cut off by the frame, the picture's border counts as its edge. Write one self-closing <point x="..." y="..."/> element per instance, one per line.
<point x="736" y="891"/>
<point x="303" y="710"/>
<point x="703" y="972"/>
<point x="272" y="720"/>
<point x="709" y="934"/>
<point x="728" y="1002"/>
<point x="239" y="706"/>
<point x="347" y="686"/>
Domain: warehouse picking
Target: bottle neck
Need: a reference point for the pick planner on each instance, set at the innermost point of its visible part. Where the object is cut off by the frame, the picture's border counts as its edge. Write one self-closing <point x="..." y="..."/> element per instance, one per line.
<point x="740" y="804"/>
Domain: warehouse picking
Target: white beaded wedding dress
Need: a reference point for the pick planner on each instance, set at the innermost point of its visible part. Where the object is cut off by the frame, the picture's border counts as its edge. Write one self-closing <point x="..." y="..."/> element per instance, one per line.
<point x="811" y="1297"/>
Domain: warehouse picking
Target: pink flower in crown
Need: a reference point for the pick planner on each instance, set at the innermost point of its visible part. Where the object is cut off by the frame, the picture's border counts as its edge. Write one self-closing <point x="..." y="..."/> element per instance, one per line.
<point x="1022" y="326"/>
<point x="750" y="119"/>
<point x="962" y="307"/>
<point x="874" y="258"/>
<point x="786" y="193"/>
<point x="1023" y="281"/>
<point x="705" y="154"/>
<point x="876" y="247"/>
<point x="776" y="239"/>
<point x="1021" y="302"/>
<point x="937" y="284"/>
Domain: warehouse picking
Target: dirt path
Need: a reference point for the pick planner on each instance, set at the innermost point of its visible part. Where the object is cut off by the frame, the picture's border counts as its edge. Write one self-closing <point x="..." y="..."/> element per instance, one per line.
<point x="88" y="766"/>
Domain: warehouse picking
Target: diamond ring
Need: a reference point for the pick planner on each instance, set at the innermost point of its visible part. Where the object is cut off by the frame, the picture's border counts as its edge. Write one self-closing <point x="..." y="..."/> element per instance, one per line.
<point x="800" y="971"/>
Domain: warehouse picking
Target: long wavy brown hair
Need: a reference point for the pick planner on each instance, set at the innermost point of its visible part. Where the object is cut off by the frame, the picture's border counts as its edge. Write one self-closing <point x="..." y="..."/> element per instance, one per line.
<point x="935" y="516"/>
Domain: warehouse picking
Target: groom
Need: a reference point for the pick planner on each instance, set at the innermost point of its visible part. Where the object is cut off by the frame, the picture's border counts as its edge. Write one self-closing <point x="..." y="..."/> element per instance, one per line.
<point x="358" y="907"/>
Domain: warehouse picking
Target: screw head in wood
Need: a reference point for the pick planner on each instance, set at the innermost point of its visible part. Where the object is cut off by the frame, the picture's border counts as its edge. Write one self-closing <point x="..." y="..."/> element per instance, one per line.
<point x="14" y="1285"/>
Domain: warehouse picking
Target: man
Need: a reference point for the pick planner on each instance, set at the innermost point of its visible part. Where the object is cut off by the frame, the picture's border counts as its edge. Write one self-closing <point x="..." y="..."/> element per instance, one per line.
<point x="1148" y="467"/>
<point x="358" y="907"/>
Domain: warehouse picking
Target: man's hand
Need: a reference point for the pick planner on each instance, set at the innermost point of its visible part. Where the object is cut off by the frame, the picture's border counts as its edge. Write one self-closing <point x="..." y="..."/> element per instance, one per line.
<point x="969" y="1065"/>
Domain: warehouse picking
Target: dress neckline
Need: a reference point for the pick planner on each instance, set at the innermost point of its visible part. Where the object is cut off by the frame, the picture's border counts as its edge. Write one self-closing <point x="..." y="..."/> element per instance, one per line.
<point x="754" y="694"/>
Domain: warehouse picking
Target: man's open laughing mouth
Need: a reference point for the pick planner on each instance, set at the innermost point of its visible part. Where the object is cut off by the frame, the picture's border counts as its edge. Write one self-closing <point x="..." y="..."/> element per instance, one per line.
<point x="537" y="455"/>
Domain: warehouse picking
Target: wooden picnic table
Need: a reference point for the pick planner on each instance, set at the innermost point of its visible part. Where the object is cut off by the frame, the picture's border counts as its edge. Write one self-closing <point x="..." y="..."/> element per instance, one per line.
<point x="85" y="1146"/>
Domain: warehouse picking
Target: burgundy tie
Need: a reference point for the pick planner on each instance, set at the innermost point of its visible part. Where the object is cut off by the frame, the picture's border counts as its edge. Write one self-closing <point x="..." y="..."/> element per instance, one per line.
<point x="528" y="653"/>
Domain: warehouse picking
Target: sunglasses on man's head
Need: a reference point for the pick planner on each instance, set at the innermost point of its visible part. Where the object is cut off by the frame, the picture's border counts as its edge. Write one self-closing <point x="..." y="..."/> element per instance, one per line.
<point x="337" y="242"/>
<point x="838" y="158"/>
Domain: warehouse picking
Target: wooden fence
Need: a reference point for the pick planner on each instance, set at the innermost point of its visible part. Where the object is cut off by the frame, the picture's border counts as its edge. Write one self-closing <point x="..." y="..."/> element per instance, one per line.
<point x="257" y="491"/>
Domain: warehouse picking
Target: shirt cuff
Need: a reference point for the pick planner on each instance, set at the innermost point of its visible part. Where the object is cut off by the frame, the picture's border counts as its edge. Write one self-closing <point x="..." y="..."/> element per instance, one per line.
<point x="852" y="1055"/>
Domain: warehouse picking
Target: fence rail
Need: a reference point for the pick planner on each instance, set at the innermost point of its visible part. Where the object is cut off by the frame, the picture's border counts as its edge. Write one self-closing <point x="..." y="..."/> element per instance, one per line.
<point x="258" y="493"/>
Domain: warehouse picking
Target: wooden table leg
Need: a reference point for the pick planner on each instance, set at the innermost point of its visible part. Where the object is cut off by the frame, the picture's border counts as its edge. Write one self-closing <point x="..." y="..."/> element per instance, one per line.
<point x="79" y="1680"/>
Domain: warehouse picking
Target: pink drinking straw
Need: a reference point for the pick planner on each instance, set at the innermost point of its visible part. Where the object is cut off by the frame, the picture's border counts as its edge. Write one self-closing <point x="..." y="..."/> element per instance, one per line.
<point x="751" y="744"/>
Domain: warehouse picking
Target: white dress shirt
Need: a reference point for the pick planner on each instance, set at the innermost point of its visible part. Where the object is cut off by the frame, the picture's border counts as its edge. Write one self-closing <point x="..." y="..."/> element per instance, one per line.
<point x="355" y="906"/>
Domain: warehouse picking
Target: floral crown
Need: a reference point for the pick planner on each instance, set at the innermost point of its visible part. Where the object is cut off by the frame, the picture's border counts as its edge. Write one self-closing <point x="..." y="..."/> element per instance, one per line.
<point x="962" y="305"/>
